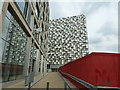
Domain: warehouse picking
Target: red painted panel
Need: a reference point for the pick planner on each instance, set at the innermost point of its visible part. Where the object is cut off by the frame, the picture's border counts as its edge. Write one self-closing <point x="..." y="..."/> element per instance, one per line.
<point x="99" y="69"/>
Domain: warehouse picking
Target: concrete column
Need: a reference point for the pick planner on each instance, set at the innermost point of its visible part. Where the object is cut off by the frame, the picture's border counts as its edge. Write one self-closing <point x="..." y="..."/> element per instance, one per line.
<point x="32" y="22"/>
<point x="41" y="68"/>
<point x="1" y="5"/>
<point x="36" y="67"/>
<point x="27" y="57"/>
<point x="45" y="68"/>
<point x="3" y="11"/>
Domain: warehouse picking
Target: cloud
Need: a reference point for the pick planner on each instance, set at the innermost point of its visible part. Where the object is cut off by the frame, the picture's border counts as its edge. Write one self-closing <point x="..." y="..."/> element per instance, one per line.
<point x="107" y="29"/>
<point x="63" y="9"/>
<point x="95" y="40"/>
<point x="102" y="27"/>
<point x="102" y="22"/>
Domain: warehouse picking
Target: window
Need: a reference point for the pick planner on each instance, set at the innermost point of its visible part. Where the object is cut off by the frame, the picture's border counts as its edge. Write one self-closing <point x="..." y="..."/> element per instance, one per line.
<point x="13" y="54"/>
<point x="29" y="13"/>
<point x="21" y="5"/>
<point x="25" y="9"/>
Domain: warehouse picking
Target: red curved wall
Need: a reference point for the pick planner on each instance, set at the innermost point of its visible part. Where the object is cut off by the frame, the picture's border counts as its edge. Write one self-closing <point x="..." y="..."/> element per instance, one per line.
<point x="99" y="69"/>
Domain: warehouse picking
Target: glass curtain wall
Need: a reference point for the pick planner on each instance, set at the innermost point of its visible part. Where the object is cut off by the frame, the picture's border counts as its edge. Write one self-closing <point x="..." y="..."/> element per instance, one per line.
<point x="14" y="46"/>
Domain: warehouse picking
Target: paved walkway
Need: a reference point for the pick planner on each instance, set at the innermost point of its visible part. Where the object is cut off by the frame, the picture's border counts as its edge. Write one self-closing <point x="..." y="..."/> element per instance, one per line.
<point x="55" y="81"/>
<point x="21" y="84"/>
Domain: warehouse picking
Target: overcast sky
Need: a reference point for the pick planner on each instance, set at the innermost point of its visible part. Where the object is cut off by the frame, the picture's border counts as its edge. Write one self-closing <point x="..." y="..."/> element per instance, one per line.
<point x="102" y="22"/>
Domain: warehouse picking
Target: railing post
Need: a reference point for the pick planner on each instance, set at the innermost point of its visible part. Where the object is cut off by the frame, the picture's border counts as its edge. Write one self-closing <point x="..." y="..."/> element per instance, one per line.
<point x="29" y="85"/>
<point x="65" y="86"/>
<point x="47" y="86"/>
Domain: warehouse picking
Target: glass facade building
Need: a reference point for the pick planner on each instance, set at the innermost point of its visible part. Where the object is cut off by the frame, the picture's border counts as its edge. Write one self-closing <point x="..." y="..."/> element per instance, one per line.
<point x="14" y="47"/>
<point x="24" y="38"/>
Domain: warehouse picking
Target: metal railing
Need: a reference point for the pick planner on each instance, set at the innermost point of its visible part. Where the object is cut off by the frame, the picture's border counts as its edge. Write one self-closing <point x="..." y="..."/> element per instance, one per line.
<point x="30" y="80"/>
<point x="88" y="85"/>
<point x="67" y="84"/>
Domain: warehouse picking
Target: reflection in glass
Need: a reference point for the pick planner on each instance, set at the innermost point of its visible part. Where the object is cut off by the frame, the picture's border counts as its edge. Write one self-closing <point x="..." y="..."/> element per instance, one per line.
<point x="13" y="52"/>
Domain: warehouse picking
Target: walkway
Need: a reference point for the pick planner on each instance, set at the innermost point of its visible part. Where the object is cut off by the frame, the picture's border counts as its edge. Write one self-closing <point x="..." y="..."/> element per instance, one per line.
<point x="21" y="84"/>
<point x="55" y="81"/>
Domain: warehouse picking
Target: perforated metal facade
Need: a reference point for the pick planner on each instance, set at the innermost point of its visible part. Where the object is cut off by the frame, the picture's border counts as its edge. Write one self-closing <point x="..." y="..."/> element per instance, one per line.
<point x="67" y="39"/>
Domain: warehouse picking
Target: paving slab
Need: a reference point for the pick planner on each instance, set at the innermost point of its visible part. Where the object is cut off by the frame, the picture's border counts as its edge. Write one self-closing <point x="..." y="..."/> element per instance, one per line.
<point x="21" y="84"/>
<point x="55" y="81"/>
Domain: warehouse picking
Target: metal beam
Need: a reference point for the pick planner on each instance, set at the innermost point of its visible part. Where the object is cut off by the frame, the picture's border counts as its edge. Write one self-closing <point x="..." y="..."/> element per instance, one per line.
<point x="23" y="23"/>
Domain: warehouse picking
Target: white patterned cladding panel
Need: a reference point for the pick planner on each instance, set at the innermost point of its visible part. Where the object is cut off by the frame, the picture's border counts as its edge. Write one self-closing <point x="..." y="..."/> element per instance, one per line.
<point x="67" y="39"/>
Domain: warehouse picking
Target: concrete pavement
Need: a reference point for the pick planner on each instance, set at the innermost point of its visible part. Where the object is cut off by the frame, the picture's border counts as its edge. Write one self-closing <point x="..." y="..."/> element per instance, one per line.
<point x="53" y="78"/>
<point x="21" y="84"/>
<point x="55" y="81"/>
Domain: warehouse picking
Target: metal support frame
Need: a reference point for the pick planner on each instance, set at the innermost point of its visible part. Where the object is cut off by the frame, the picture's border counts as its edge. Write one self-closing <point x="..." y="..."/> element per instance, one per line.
<point x="20" y="18"/>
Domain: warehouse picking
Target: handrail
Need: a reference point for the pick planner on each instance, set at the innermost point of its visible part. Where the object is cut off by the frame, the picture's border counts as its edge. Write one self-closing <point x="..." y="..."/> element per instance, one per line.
<point x="88" y="85"/>
<point x="67" y="83"/>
